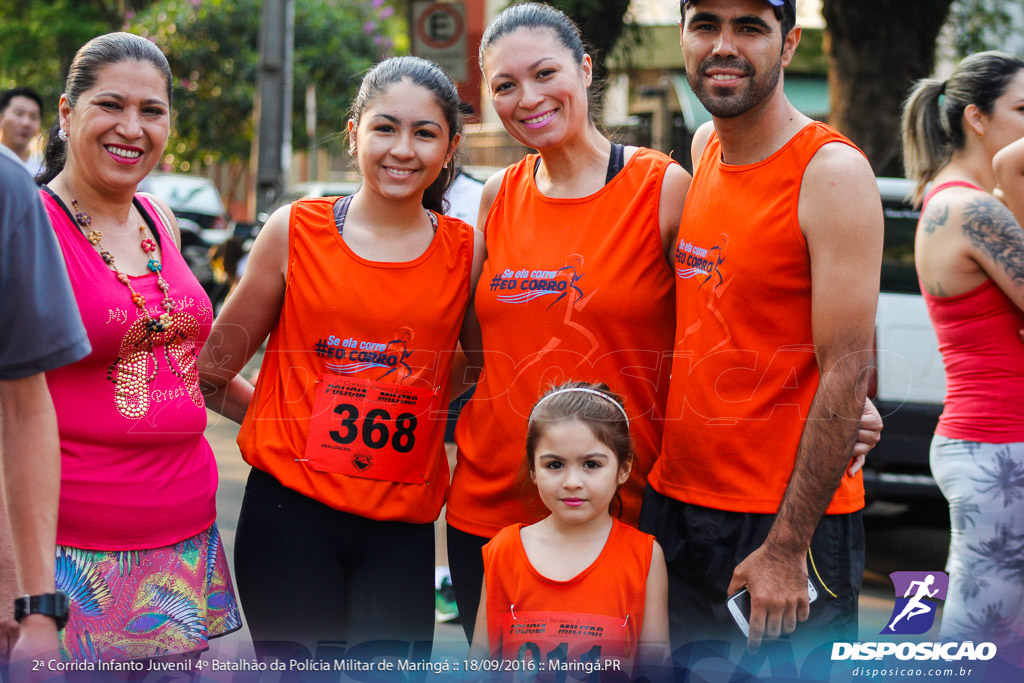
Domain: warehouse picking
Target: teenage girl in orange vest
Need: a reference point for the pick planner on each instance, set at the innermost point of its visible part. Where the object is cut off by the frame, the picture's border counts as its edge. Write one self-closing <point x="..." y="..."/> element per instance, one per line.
<point x="364" y="298"/>
<point x="579" y="586"/>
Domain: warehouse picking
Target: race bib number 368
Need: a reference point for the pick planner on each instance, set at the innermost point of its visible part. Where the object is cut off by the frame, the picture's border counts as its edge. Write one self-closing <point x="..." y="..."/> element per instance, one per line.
<point x="375" y="430"/>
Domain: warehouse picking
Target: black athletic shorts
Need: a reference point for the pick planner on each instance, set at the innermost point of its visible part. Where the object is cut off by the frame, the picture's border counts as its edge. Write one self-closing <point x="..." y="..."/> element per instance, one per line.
<point x="703" y="546"/>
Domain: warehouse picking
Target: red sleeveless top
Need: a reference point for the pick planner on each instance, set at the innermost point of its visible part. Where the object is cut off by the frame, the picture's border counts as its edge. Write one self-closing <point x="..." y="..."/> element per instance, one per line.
<point x="983" y="357"/>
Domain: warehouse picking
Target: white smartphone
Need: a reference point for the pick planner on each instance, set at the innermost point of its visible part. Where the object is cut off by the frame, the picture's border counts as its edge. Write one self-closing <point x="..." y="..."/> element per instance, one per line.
<point x="739" y="606"/>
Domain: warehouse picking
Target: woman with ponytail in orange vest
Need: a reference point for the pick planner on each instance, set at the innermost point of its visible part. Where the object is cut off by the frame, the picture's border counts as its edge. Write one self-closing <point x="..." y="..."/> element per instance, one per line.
<point x="578" y="280"/>
<point x="364" y="298"/>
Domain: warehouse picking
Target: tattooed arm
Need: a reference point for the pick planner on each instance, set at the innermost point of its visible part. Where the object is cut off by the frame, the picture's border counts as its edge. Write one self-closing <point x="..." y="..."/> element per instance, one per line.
<point x="997" y="244"/>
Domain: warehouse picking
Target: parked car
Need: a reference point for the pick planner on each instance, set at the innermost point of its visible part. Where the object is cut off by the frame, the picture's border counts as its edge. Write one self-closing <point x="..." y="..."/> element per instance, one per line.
<point x="202" y="220"/>
<point x="195" y="201"/>
<point x="910" y="382"/>
<point x="318" y="188"/>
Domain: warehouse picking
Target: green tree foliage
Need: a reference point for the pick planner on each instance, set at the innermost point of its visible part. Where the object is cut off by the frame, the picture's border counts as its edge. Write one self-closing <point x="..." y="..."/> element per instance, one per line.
<point x="38" y="38"/>
<point x="212" y="46"/>
<point x="979" y="25"/>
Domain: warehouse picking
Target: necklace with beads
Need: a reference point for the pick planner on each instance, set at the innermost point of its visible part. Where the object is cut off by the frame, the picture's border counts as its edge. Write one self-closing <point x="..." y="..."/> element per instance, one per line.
<point x="84" y="220"/>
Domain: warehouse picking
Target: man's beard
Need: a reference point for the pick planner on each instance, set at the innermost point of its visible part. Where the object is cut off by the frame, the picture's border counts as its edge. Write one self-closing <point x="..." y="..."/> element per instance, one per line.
<point x="738" y="101"/>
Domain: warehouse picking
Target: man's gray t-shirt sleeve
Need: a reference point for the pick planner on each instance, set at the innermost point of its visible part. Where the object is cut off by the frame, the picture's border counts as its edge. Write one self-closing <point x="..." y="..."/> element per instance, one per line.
<point x="40" y="326"/>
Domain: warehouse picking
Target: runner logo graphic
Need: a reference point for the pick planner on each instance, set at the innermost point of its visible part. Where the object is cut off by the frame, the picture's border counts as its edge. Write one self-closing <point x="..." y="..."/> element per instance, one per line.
<point x="914" y="612"/>
<point x="525" y="285"/>
<point x="391" y="356"/>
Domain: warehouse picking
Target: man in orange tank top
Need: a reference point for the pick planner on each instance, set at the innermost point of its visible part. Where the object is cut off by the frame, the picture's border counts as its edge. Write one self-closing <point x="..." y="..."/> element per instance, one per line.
<point x="777" y="270"/>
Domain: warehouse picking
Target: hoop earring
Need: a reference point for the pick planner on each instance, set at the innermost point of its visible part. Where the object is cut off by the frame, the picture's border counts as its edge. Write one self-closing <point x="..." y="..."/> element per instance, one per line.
<point x="62" y="135"/>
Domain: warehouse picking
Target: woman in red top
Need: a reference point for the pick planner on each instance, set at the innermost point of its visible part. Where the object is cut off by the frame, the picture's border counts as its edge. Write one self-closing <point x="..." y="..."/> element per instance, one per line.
<point x="969" y="252"/>
<point x="364" y="299"/>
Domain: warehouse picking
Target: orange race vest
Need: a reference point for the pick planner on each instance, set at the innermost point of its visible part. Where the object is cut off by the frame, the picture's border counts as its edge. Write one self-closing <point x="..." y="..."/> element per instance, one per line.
<point x="348" y="408"/>
<point x="745" y="372"/>
<point x="596" y="616"/>
<point x="571" y="289"/>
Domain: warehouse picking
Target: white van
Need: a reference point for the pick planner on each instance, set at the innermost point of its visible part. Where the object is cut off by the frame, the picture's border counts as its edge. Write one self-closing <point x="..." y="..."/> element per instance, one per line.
<point x="910" y="383"/>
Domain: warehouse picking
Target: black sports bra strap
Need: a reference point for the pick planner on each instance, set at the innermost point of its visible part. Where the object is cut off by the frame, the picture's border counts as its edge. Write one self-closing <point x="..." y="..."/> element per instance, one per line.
<point x="616" y="160"/>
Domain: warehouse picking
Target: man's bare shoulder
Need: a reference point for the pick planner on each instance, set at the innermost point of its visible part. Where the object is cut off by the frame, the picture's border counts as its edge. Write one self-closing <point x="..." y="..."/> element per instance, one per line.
<point x="700" y="141"/>
<point x="838" y="175"/>
<point x="839" y="195"/>
<point x="837" y="164"/>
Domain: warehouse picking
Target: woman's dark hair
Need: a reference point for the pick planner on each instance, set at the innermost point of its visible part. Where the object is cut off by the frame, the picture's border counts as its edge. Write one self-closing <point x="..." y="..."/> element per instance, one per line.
<point x="591" y="404"/>
<point x="111" y="48"/>
<point x="534" y="15"/>
<point x="933" y="113"/>
<point x="427" y="75"/>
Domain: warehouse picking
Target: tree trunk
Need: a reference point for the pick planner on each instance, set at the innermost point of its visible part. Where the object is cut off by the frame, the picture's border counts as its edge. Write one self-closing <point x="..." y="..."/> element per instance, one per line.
<point x="601" y="24"/>
<point x="876" y="50"/>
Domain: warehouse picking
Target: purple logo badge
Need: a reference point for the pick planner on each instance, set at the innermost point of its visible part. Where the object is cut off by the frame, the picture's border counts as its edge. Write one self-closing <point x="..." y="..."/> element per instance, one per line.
<point x="917" y="596"/>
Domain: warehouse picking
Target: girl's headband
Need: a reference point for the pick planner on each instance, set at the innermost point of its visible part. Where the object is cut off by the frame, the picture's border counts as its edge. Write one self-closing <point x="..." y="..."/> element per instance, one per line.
<point x="582" y="390"/>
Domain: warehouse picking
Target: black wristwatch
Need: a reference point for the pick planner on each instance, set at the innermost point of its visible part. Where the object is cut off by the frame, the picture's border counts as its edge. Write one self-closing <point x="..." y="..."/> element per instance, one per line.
<point x="54" y="605"/>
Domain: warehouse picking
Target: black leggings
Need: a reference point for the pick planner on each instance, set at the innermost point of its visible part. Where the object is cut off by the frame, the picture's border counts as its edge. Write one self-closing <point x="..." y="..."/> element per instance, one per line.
<point x="466" y="564"/>
<point x="308" y="573"/>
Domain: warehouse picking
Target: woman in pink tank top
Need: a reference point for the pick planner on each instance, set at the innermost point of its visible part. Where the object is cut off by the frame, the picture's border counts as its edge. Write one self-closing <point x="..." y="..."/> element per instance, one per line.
<point x="138" y="553"/>
<point x="969" y="252"/>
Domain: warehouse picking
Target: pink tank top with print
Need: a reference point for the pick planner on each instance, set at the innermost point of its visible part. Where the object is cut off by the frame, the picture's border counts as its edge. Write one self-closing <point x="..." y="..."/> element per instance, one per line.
<point x="136" y="470"/>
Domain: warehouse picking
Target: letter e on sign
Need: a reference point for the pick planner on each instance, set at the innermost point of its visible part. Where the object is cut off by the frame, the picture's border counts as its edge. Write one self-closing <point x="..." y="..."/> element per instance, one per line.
<point x="440" y="36"/>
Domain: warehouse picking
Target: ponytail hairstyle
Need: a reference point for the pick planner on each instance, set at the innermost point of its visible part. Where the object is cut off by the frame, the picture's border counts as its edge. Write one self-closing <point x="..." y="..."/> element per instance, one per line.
<point x="534" y="15"/>
<point x="933" y="113"/>
<point x="427" y="75"/>
<point x="594" y="405"/>
<point x="112" y="48"/>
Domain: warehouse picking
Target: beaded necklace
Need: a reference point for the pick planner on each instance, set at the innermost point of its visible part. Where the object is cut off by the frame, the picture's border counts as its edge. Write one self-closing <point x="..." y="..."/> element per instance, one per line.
<point x="84" y="220"/>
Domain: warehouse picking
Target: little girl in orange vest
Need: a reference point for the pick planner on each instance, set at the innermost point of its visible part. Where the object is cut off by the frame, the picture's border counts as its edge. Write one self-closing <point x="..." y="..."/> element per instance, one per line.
<point x="578" y="591"/>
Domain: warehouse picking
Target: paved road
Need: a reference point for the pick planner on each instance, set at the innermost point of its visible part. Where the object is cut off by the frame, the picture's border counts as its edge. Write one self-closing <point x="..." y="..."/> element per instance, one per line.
<point x="221" y="434"/>
<point x="898" y="539"/>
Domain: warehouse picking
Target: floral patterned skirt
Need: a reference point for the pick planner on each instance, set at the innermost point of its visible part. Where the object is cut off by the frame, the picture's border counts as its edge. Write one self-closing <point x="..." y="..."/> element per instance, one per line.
<point x="139" y="604"/>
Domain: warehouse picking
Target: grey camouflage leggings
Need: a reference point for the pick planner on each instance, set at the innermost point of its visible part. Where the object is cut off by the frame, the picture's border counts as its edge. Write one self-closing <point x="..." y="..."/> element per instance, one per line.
<point x="984" y="484"/>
